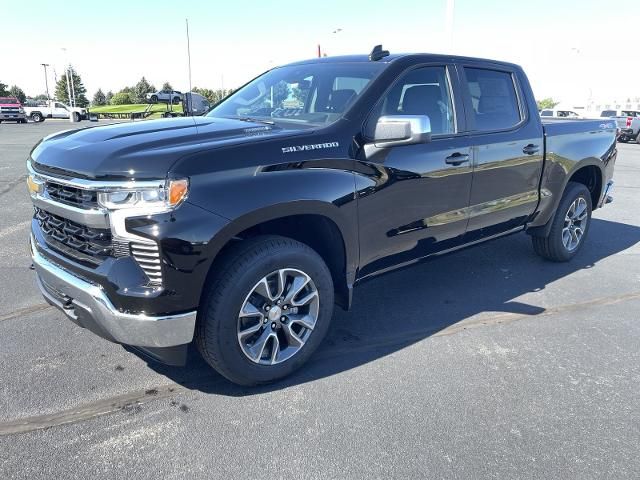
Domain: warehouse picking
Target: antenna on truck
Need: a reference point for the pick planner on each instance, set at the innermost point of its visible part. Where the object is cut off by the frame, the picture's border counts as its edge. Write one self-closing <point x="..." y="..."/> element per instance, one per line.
<point x="378" y="53"/>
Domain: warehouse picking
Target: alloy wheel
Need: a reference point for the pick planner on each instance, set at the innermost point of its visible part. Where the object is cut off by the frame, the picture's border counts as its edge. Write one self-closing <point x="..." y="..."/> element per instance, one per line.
<point x="575" y="223"/>
<point x="278" y="316"/>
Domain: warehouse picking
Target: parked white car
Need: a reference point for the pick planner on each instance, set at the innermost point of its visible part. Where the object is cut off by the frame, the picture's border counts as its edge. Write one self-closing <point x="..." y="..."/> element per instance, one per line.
<point x="558" y="113"/>
<point x="173" y="96"/>
<point x="38" y="111"/>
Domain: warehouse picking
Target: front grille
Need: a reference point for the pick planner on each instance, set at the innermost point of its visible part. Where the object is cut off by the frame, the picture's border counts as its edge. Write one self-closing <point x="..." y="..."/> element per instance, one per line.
<point x="94" y="242"/>
<point x="148" y="257"/>
<point x="77" y="197"/>
<point x="10" y="109"/>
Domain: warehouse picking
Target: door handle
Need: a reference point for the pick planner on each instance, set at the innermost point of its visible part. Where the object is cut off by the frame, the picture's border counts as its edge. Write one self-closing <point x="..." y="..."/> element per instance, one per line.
<point x="456" y="158"/>
<point x="531" y="149"/>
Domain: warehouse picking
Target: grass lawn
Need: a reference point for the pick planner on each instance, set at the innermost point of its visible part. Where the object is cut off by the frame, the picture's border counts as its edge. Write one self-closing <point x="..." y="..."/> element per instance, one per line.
<point x="135" y="107"/>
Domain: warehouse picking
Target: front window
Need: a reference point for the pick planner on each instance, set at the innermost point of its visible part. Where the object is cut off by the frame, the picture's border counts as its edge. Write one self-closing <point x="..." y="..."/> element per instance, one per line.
<point x="311" y="94"/>
<point x="8" y="100"/>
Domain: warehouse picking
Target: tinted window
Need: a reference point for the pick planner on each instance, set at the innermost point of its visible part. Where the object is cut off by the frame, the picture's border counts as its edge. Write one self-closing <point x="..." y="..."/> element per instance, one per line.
<point x="608" y="113"/>
<point x="546" y="113"/>
<point x="494" y="99"/>
<point x="423" y="91"/>
<point x="630" y="113"/>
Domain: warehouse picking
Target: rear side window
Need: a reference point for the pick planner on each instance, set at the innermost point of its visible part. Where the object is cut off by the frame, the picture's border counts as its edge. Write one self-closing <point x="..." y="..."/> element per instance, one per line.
<point x="546" y="113"/>
<point x="494" y="99"/>
<point x="608" y="113"/>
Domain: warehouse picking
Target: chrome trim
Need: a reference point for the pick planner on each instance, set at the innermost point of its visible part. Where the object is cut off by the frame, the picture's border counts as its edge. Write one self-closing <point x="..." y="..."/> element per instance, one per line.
<point x="97" y="184"/>
<point x="78" y="298"/>
<point x="94" y="218"/>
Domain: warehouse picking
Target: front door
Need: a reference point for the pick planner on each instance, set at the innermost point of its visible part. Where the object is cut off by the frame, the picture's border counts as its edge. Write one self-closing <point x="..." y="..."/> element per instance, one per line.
<point x="414" y="199"/>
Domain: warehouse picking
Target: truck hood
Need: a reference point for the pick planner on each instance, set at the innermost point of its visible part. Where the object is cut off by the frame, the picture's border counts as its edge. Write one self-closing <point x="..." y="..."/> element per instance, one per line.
<point x="144" y="150"/>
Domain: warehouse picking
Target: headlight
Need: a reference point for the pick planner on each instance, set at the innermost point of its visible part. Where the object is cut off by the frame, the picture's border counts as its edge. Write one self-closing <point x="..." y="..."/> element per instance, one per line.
<point x="167" y="197"/>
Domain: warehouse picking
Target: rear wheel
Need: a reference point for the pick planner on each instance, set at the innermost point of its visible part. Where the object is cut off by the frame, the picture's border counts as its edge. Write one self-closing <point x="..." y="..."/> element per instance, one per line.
<point x="176" y="100"/>
<point x="36" y="117"/>
<point x="76" y="117"/>
<point x="570" y="225"/>
<point x="266" y="310"/>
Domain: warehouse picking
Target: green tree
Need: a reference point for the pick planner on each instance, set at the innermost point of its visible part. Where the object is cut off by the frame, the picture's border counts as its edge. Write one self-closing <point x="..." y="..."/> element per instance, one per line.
<point x="3" y="90"/>
<point x="212" y="96"/>
<point x="122" y="98"/>
<point x="108" y="97"/>
<point x="62" y="92"/>
<point x="99" y="98"/>
<point x="546" y="103"/>
<point x="141" y="89"/>
<point x="167" y="86"/>
<point x="42" y="96"/>
<point x="17" y="92"/>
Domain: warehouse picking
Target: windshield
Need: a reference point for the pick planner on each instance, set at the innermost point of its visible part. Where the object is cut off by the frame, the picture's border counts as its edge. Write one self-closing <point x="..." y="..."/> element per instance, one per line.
<point x="8" y="100"/>
<point x="313" y="94"/>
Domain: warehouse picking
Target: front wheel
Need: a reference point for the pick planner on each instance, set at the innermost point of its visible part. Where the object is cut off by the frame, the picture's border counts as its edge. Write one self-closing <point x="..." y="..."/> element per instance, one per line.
<point x="176" y="100"/>
<point x="266" y="310"/>
<point x="570" y="225"/>
<point x="154" y="99"/>
<point x="76" y="117"/>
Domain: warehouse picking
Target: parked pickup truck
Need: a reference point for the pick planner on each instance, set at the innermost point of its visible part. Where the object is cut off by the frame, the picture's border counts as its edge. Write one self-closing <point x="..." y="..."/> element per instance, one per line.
<point x="629" y="124"/>
<point x="11" y="110"/>
<point x="239" y="230"/>
<point x="38" y="111"/>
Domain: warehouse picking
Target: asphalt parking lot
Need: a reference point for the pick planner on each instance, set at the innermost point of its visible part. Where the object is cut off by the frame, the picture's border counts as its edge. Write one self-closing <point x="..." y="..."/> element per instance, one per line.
<point x="487" y="363"/>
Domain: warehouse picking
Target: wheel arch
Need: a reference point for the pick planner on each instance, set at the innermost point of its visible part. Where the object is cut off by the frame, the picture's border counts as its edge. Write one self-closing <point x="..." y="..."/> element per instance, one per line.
<point x="317" y="224"/>
<point x="589" y="172"/>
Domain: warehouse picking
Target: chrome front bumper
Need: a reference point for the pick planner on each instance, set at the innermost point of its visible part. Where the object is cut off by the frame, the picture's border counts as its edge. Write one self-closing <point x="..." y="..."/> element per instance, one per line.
<point x="87" y="305"/>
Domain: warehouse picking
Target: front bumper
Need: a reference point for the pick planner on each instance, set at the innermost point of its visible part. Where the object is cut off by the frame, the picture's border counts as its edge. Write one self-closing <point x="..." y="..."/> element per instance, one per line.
<point x="87" y="305"/>
<point x="12" y="116"/>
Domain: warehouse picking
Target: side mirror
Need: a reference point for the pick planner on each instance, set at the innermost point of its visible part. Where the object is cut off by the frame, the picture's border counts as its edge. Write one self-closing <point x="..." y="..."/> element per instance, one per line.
<point x="396" y="130"/>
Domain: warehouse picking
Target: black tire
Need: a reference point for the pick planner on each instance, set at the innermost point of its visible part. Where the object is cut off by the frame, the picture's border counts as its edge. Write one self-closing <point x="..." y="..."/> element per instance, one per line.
<point x="36" y="117"/>
<point x="243" y="266"/>
<point x="176" y="100"/>
<point x="552" y="246"/>
<point x="76" y="117"/>
<point x="154" y="99"/>
<point x="638" y="137"/>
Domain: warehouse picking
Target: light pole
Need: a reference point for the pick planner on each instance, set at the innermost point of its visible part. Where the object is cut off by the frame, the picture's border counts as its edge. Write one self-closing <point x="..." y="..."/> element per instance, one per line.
<point x="69" y="76"/>
<point x="46" y="81"/>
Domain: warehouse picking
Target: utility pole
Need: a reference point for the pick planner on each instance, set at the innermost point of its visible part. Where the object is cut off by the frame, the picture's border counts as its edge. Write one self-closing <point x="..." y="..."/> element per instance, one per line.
<point x="66" y="75"/>
<point x="46" y="81"/>
<point x="189" y="59"/>
<point x="73" y="87"/>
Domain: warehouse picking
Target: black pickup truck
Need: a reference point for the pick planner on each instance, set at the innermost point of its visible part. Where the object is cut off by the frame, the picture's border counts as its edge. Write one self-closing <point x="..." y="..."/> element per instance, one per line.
<point x="239" y="230"/>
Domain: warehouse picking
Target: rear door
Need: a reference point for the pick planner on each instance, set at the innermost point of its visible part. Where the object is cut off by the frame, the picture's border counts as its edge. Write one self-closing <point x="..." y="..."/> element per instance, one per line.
<point x="507" y="144"/>
<point x="419" y="202"/>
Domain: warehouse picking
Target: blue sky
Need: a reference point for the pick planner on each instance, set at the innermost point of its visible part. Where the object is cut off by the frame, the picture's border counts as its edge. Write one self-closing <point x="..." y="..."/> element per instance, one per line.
<point x="561" y="43"/>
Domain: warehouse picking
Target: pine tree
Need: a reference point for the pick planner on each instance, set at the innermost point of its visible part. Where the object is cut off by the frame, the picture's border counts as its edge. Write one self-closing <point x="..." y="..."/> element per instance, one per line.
<point x="141" y="89"/>
<point x="62" y="92"/>
<point x="99" y="98"/>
